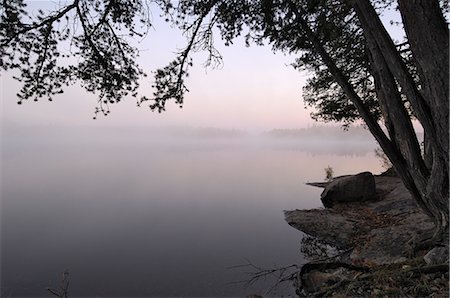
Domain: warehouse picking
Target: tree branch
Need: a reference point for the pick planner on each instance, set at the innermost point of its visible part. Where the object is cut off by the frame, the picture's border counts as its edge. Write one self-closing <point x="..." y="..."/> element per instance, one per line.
<point x="50" y="20"/>
<point x="104" y="16"/>
<point x="88" y="38"/>
<point x="46" y="37"/>
<point x="186" y="52"/>
<point x="116" y="39"/>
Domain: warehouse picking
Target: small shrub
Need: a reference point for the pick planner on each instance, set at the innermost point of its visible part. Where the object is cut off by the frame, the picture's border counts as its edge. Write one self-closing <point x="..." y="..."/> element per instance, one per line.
<point x="329" y="174"/>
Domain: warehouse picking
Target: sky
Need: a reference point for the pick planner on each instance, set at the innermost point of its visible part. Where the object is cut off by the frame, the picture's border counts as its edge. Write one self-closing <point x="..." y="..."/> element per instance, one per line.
<point x="255" y="89"/>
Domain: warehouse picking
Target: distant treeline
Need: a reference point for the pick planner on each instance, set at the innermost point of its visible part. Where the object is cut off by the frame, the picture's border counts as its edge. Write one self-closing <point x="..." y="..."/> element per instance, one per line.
<point x="322" y="131"/>
<point x="325" y="132"/>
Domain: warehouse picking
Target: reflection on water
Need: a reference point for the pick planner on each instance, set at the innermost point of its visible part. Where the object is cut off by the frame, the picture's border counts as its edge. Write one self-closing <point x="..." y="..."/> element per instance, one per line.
<point x="130" y="213"/>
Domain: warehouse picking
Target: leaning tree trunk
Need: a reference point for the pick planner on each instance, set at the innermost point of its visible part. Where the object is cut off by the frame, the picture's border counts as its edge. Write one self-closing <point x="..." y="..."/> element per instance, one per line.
<point x="412" y="168"/>
<point x="427" y="185"/>
<point x="427" y="34"/>
<point x="430" y="104"/>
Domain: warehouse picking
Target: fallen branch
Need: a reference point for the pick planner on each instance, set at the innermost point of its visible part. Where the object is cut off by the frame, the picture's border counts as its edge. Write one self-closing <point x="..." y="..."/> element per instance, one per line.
<point x="63" y="292"/>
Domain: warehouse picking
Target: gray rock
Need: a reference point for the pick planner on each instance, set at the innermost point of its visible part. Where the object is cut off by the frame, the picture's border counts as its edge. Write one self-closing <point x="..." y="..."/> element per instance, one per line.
<point x="437" y="255"/>
<point x="356" y="188"/>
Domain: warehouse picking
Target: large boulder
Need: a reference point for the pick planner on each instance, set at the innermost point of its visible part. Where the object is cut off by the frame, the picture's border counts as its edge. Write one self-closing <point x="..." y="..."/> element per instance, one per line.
<point x="356" y="188"/>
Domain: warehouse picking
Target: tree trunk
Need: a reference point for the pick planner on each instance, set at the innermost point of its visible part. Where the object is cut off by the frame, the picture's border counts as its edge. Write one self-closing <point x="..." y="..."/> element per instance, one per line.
<point x="398" y="123"/>
<point x="388" y="146"/>
<point x="428" y="37"/>
<point x="427" y="150"/>
<point x="431" y="107"/>
<point x="427" y="34"/>
<point x="400" y="71"/>
<point x="428" y="185"/>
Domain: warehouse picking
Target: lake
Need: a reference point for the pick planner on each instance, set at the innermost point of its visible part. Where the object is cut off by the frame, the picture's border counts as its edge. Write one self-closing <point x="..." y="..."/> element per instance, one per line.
<point x="133" y="212"/>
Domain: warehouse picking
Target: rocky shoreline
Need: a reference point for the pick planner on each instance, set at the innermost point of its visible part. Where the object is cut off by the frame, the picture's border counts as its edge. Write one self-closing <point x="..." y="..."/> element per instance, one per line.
<point x="371" y="235"/>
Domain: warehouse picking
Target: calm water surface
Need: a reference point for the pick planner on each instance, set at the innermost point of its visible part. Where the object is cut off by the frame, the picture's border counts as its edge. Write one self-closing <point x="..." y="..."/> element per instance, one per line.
<point x="130" y="213"/>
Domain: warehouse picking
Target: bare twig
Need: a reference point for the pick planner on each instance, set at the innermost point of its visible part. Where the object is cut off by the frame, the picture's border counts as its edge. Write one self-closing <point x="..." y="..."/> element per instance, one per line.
<point x="256" y="273"/>
<point x="63" y="292"/>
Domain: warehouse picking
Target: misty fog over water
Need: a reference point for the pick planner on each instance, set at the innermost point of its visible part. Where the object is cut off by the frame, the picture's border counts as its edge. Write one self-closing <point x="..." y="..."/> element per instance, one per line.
<point x="158" y="212"/>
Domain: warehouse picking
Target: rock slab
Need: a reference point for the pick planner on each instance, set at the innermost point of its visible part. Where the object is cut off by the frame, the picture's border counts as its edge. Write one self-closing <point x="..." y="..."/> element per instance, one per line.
<point x="377" y="231"/>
